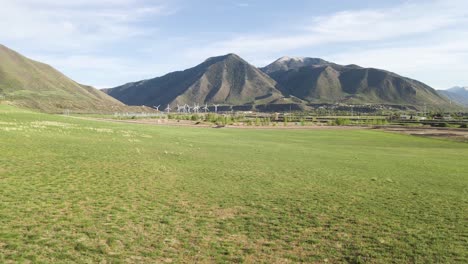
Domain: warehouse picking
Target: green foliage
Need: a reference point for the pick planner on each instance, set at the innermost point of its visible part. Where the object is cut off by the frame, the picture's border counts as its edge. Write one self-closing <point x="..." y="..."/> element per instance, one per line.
<point x="465" y="125"/>
<point x="211" y="117"/>
<point x="257" y="121"/>
<point x="195" y="117"/>
<point x="441" y="124"/>
<point x="341" y="122"/>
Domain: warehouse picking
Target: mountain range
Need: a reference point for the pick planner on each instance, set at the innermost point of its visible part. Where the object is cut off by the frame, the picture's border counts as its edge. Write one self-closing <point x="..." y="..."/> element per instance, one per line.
<point x="36" y="85"/>
<point x="457" y="94"/>
<point x="289" y="83"/>
<point x="300" y="81"/>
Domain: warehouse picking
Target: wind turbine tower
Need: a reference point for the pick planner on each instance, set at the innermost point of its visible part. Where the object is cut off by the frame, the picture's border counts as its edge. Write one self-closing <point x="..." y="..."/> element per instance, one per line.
<point x="206" y="108"/>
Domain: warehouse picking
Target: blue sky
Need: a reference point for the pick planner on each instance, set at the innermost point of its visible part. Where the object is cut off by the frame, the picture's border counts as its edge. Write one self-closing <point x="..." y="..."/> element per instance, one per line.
<point x="111" y="42"/>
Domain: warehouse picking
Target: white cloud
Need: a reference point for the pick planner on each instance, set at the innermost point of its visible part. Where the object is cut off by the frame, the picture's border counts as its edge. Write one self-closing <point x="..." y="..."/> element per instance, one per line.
<point x="81" y="25"/>
<point x="106" y="71"/>
<point x="351" y="26"/>
<point x="75" y="36"/>
<point x="440" y="63"/>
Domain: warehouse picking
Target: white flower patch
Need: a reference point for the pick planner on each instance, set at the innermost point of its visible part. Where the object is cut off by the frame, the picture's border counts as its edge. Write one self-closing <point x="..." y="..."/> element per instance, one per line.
<point x="7" y="123"/>
<point x="53" y="124"/>
<point x="8" y="129"/>
<point x="100" y="130"/>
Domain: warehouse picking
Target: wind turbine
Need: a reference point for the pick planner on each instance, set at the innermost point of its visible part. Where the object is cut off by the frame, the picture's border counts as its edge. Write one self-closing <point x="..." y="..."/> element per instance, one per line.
<point x="156" y="107"/>
<point x="168" y="108"/>
<point x="196" y="108"/>
<point x="180" y="108"/>
<point x="216" y="107"/>
<point x="188" y="108"/>
<point x="206" y="108"/>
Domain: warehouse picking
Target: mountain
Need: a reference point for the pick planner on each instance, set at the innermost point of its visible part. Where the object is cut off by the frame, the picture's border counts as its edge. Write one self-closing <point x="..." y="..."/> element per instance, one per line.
<point x="287" y="83"/>
<point x="292" y="63"/>
<point x="36" y="85"/>
<point x="319" y="81"/>
<point x="457" y="94"/>
<point x="218" y="80"/>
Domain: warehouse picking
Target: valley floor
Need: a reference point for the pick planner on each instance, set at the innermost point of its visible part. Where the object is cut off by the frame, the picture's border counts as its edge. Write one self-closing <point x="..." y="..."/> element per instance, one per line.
<point x="75" y="190"/>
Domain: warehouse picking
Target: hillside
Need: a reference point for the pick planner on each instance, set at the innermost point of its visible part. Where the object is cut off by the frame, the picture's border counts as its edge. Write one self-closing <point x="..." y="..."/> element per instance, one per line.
<point x="457" y="94"/>
<point x="219" y="80"/>
<point x="36" y="85"/>
<point x="319" y="81"/>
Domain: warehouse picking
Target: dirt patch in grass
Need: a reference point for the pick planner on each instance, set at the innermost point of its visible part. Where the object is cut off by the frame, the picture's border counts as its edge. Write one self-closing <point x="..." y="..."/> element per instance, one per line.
<point x="446" y="133"/>
<point x="227" y="213"/>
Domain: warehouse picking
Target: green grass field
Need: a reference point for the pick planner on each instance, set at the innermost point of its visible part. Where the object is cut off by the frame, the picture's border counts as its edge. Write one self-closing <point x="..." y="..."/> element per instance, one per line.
<point x="75" y="190"/>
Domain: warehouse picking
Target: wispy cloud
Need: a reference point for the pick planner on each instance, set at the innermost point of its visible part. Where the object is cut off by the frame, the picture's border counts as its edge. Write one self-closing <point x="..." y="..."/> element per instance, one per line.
<point x="405" y="20"/>
<point x="441" y="62"/>
<point x="81" y="24"/>
<point x="242" y="5"/>
<point x="86" y="39"/>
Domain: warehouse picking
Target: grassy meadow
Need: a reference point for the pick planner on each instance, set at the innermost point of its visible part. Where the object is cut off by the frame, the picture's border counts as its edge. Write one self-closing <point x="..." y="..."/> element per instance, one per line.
<point x="75" y="190"/>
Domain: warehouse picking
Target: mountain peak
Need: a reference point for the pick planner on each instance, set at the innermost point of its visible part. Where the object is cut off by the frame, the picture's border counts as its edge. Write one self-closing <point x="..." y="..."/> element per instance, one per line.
<point x="287" y="58"/>
<point x="230" y="56"/>
<point x="292" y="63"/>
<point x="458" y="88"/>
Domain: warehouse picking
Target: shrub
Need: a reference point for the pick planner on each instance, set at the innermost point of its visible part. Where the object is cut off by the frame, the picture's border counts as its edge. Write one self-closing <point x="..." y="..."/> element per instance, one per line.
<point x="211" y="117"/>
<point x="465" y="125"/>
<point x="195" y="117"/>
<point x="342" y="122"/>
<point x="266" y="121"/>
<point x="257" y="121"/>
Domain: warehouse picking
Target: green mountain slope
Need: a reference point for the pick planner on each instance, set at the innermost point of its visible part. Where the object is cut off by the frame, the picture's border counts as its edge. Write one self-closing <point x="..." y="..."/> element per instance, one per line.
<point x="36" y="85"/>
<point x="219" y="80"/>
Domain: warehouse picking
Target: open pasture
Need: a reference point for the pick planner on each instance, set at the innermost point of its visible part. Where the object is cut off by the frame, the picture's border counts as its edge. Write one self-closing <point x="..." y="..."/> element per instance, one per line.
<point x="75" y="190"/>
